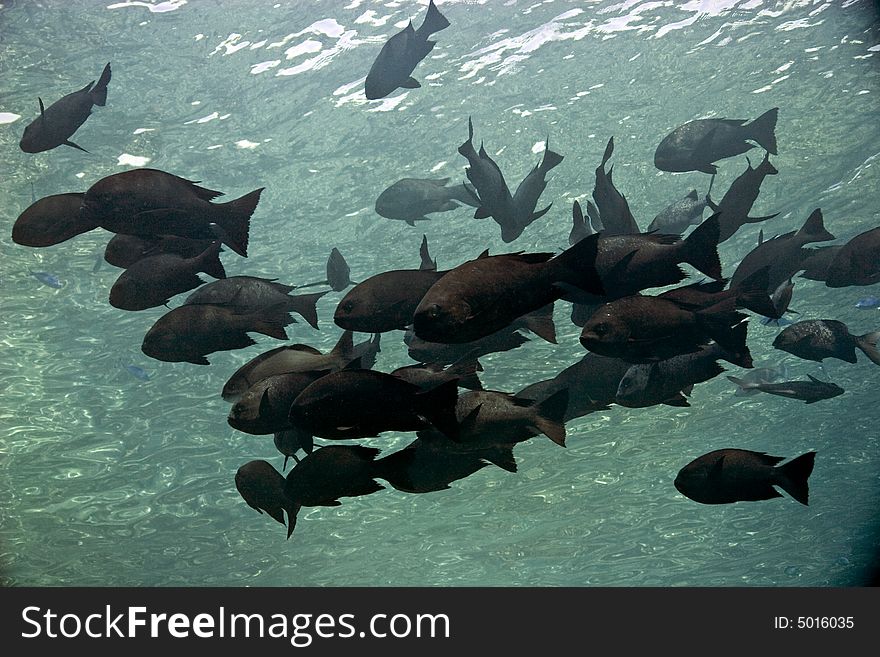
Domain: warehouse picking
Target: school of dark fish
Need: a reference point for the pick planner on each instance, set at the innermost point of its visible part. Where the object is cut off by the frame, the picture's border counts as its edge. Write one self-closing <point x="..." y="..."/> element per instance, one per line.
<point x="644" y="347"/>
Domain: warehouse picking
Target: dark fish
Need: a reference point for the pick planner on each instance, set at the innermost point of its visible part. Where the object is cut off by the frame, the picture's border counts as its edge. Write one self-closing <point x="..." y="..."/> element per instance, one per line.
<point x="47" y="279"/>
<point x="357" y="403"/>
<point x="191" y="332"/>
<point x="51" y="220"/>
<point x="410" y="199"/>
<point x="251" y="294"/>
<point x="125" y="250"/>
<point x="592" y="385"/>
<point x="484" y="295"/>
<point x="676" y="217"/>
<point x="857" y="262"/>
<point x="290" y="441"/>
<point x="430" y="375"/>
<point x="783" y="254"/>
<point x="292" y="358"/>
<point x="264" y="407"/>
<point x="152" y="281"/>
<point x="818" y="339"/>
<point x="385" y="302"/>
<point x="614" y="212"/>
<point x="437" y="352"/>
<point x="489" y="185"/>
<point x="423" y="467"/>
<point x="816" y="261"/>
<point x="739" y="475"/>
<point x="525" y="198"/>
<point x="736" y="204"/>
<point x="149" y="202"/>
<point x="641" y="329"/>
<point x="809" y="391"/>
<point x="695" y="145"/>
<point x="580" y="228"/>
<point x="57" y="123"/>
<point x="671" y="381"/>
<point x="261" y="486"/>
<point x="338" y="273"/>
<point x="401" y="54"/>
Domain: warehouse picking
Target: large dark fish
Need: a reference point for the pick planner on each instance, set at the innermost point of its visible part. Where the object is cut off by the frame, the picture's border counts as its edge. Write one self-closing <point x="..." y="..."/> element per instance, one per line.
<point x="736" y="204"/>
<point x="125" y="250"/>
<point x="401" y="54"/>
<point x="410" y="199"/>
<point x="695" y="145"/>
<point x="739" y="475"/>
<point x="152" y="281"/>
<point x="264" y="407"/>
<point x="191" y="332"/>
<point x="525" y="198"/>
<point x="857" y="262"/>
<point x="251" y="294"/>
<point x="676" y="217"/>
<point x="783" y="254"/>
<point x="808" y="391"/>
<point x="423" y="467"/>
<point x="614" y="212"/>
<point x="818" y="339"/>
<point x="150" y="202"/>
<point x="489" y="185"/>
<point x="57" y="123"/>
<point x="51" y="220"/>
<point x="261" y="486"/>
<point x="642" y="329"/>
<point x="484" y="295"/>
<point x="297" y="358"/>
<point x="358" y="403"/>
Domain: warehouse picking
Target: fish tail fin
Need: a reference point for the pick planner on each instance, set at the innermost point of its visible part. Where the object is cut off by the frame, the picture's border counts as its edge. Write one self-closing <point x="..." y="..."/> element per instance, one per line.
<point x="763" y="130"/>
<point x="577" y="266"/>
<point x="700" y="248"/>
<point x="868" y="344"/>
<point x="438" y="407"/>
<point x="209" y="261"/>
<point x="344" y="348"/>
<point x="792" y="477"/>
<point x="467" y="148"/>
<point x="550" y="416"/>
<point x="434" y="22"/>
<point x="292" y="509"/>
<point x="99" y="91"/>
<point x="609" y="150"/>
<point x="743" y="385"/>
<point x="757" y="220"/>
<point x="739" y="355"/>
<point x="751" y="293"/>
<point x="500" y="455"/>
<point x="234" y="217"/>
<point x="550" y="160"/>
<point x="306" y="305"/>
<point x="720" y="323"/>
<point x="765" y="167"/>
<point x="813" y="229"/>
<point x="540" y="322"/>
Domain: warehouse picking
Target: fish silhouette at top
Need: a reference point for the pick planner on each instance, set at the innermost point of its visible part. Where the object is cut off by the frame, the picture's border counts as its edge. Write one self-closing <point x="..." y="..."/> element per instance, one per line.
<point x="696" y="145"/>
<point x="57" y="123"/>
<point x="393" y="67"/>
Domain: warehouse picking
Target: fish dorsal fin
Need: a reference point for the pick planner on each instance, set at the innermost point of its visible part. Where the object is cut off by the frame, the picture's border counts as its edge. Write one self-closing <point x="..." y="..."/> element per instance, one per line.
<point x="814" y="379"/>
<point x="469" y="421"/>
<point x="265" y="404"/>
<point x="355" y="364"/>
<point x="484" y="254"/>
<point x="609" y="149"/>
<point x="428" y="263"/>
<point x="42" y="109"/>
<point x="692" y="195"/>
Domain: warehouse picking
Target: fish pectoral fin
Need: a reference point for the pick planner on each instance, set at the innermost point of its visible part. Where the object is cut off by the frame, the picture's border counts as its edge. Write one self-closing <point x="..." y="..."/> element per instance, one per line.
<point x="481" y="213"/>
<point x="73" y="145"/>
<point x="411" y="83"/>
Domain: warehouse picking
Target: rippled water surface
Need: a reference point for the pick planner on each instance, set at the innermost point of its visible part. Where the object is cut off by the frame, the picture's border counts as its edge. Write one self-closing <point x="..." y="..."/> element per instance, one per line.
<point x="107" y="478"/>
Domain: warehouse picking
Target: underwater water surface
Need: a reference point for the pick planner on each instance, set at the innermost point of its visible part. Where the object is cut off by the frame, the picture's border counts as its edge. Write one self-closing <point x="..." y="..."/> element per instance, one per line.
<point x="118" y="470"/>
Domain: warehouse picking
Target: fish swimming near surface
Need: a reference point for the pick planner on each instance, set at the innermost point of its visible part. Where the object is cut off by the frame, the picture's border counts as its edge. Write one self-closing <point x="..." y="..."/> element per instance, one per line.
<point x="614" y="212"/>
<point x="697" y="145"/>
<point x="290" y="441"/>
<point x="818" y="339"/>
<point x="810" y="391"/>
<point x="485" y="175"/>
<point x="152" y="281"/>
<point x="411" y="199"/>
<point x="525" y="198"/>
<point x="731" y="475"/>
<point x="47" y="278"/>
<point x="150" y="202"/>
<point x="676" y="217"/>
<point x="736" y="204"/>
<point x="393" y="67"/>
<point x="251" y="294"/>
<point x="338" y="273"/>
<point x="857" y="263"/>
<point x="51" y="220"/>
<point x="57" y="123"/>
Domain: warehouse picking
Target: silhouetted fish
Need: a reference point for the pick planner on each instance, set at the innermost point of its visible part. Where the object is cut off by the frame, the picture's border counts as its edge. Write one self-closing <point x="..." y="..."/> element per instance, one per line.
<point x="816" y="261"/>
<point x="525" y="198"/>
<point x="51" y="220"/>
<point x="410" y="199"/>
<point x="736" y="204"/>
<point x="424" y="467"/>
<point x="818" y="339"/>
<point x="489" y="185"/>
<point x="151" y="202"/>
<point x="734" y="475"/>
<point x="857" y="262"/>
<point x="809" y="391"/>
<point x="338" y="273"/>
<point x="401" y="54"/>
<point x="751" y="293"/>
<point x="614" y="212"/>
<point x="261" y="486"/>
<point x="264" y="407"/>
<point x="695" y="145"/>
<point x="506" y="339"/>
<point x="124" y="250"/>
<point x="676" y="217"/>
<point x="57" y="123"/>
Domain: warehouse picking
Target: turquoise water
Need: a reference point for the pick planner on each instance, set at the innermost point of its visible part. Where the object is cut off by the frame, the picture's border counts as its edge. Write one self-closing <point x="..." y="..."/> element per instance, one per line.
<point x="109" y="479"/>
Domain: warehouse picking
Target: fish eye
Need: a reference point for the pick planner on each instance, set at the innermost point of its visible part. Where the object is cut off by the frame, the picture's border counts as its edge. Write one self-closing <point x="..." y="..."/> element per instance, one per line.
<point x="434" y="311"/>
